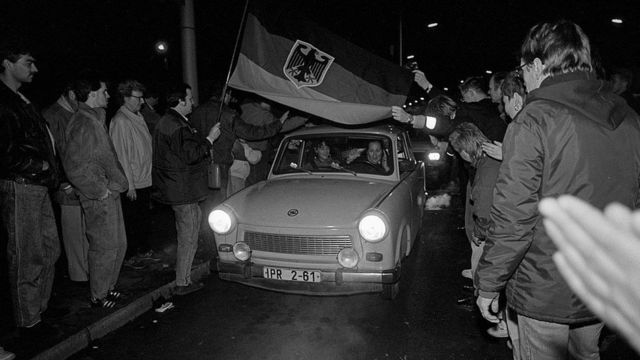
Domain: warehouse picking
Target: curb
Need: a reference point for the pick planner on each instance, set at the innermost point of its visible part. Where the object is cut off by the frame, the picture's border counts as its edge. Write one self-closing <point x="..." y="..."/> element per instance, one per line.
<point x="115" y="320"/>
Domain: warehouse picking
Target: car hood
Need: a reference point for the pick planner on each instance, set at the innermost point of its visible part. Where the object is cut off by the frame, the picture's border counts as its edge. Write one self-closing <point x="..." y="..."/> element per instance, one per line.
<point x="316" y="202"/>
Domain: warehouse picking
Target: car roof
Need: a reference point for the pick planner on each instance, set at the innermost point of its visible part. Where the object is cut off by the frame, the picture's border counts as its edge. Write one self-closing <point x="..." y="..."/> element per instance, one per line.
<point x="381" y="129"/>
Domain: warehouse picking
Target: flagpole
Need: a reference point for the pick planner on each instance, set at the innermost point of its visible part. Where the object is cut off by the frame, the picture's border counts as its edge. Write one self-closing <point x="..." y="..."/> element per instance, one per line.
<point x="233" y="58"/>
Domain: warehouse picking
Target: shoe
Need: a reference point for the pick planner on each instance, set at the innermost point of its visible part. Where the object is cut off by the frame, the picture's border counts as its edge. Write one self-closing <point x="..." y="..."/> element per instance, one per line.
<point x="6" y="355"/>
<point x="105" y="303"/>
<point x="499" y="330"/>
<point x="188" y="289"/>
<point x="114" y="295"/>
<point x="467" y="273"/>
<point x="39" y="331"/>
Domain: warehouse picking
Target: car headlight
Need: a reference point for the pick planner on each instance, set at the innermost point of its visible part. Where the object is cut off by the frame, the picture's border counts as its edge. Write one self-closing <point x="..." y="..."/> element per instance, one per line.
<point x="348" y="258"/>
<point x="241" y="251"/>
<point x="221" y="221"/>
<point x="434" y="156"/>
<point x="372" y="228"/>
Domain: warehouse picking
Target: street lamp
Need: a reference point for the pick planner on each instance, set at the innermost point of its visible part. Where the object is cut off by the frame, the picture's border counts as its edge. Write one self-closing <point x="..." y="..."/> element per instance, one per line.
<point x="161" y="47"/>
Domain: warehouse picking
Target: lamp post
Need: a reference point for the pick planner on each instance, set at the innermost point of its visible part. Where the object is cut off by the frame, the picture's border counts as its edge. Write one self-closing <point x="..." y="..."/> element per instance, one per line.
<point x="161" y="47"/>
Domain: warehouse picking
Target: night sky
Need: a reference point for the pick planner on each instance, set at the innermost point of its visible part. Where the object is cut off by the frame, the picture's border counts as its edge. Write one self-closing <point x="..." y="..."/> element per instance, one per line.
<point x="117" y="36"/>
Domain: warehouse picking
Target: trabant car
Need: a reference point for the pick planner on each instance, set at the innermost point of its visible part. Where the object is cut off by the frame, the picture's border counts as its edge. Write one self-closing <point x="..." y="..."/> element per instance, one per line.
<point x="329" y="219"/>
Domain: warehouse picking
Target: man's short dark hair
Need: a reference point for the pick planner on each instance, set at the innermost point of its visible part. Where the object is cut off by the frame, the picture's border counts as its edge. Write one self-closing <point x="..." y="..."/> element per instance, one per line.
<point x="498" y="78"/>
<point x="562" y="47"/>
<point x="176" y="94"/>
<point x="474" y="82"/>
<point x="126" y="87"/>
<point x="442" y="107"/>
<point x="85" y="84"/>
<point x="12" y="49"/>
<point x="513" y="84"/>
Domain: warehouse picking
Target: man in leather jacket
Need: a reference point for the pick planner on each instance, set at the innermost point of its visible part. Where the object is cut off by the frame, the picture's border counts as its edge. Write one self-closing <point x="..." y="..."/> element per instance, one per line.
<point x="28" y="171"/>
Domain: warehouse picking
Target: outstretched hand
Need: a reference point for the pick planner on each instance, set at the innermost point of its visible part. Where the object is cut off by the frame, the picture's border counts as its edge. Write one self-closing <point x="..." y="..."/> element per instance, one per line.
<point x="421" y="79"/>
<point x="399" y="114"/>
<point x="489" y="308"/>
<point x="598" y="256"/>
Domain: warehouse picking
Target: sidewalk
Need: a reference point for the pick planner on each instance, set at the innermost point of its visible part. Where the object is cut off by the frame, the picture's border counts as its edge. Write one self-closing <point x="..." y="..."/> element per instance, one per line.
<point x="69" y="310"/>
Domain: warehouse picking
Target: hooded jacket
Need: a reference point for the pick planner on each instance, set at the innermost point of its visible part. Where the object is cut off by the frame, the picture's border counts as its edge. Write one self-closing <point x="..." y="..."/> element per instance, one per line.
<point x="573" y="136"/>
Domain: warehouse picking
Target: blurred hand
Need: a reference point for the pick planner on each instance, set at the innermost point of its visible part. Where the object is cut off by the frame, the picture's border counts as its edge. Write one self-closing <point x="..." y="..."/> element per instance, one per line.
<point x="494" y="149"/>
<point x="131" y="194"/>
<point x="598" y="256"/>
<point x="214" y="133"/>
<point x="421" y="79"/>
<point x="385" y="165"/>
<point x="489" y="308"/>
<point x="399" y="114"/>
<point x="354" y="154"/>
<point x="284" y="117"/>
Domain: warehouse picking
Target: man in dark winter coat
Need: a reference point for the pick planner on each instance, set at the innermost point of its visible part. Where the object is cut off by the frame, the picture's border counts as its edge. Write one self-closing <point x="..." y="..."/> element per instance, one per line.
<point x="180" y="158"/>
<point x="573" y="136"/>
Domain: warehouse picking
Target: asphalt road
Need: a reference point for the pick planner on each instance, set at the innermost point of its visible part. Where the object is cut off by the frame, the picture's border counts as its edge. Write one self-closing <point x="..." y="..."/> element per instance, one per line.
<point x="232" y="321"/>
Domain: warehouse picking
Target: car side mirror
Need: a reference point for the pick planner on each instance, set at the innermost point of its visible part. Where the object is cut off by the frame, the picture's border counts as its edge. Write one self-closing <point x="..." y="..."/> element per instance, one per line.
<point x="406" y="165"/>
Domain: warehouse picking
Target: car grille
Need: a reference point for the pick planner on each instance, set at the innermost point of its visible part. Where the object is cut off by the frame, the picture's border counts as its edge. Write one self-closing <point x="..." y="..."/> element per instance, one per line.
<point x="297" y="244"/>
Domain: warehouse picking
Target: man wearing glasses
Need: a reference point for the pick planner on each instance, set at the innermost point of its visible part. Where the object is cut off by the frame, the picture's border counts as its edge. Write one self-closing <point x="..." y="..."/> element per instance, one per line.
<point x="132" y="142"/>
<point x="573" y="136"/>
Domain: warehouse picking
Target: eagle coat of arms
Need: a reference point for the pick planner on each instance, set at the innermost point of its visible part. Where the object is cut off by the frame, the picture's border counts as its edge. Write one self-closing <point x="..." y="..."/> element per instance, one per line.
<point x="306" y="65"/>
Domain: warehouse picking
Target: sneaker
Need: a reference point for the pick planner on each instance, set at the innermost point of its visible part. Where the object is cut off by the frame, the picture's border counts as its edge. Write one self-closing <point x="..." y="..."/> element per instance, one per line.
<point x="499" y="330"/>
<point x="188" y="289"/>
<point x="467" y="273"/>
<point x="6" y="355"/>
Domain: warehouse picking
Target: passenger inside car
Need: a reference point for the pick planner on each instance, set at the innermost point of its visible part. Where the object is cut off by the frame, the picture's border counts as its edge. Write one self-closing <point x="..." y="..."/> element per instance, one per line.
<point x="322" y="158"/>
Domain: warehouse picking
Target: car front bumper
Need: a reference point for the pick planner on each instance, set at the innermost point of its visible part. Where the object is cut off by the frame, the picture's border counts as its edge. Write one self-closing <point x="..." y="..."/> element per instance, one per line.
<point x="338" y="282"/>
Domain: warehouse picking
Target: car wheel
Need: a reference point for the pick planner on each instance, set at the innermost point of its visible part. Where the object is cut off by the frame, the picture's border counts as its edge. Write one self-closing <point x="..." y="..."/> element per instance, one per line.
<point x="390" y="291"/>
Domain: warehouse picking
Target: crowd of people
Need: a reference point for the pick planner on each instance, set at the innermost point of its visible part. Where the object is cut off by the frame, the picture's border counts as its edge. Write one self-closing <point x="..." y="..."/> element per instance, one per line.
<point x="106" y="172"/>
<point x="559" y="130"/>
<point x="549" y="128"/>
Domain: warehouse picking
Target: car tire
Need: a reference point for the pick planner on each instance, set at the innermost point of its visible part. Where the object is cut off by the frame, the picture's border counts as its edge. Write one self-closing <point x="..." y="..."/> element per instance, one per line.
<point x="390" y="291"/>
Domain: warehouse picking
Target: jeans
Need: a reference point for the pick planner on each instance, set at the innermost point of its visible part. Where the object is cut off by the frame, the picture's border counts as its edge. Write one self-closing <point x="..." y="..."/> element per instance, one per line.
<point x="188" y="217"/>
<point x="541" y="340"/>
<point x="32" y="248"/>
<point x="75" y="242"/>
<point x="107" y="242"/>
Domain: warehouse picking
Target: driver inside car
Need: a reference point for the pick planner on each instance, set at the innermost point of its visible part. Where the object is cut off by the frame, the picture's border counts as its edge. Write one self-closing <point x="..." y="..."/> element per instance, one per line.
<point x="376" y="160"/>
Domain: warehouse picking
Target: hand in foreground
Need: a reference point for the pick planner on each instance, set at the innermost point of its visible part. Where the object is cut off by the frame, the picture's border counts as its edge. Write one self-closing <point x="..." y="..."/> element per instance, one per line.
<point x="489" y="308"/>
<point x="399" y="114"/>
<point x="421" y="79"/>
<point x="598" y="257"/>
<point x="494" y="149"/>
<point x="131" y="194"/>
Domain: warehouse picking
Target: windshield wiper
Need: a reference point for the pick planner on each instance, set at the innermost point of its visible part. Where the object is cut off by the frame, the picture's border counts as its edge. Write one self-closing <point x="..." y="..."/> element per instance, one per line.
<point x="338" y="167"/>
<point x="295" y="167"/>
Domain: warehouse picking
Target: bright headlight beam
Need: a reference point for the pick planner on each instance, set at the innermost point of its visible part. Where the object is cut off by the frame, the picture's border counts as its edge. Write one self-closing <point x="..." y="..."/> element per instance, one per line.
<point x="220" y="221"/>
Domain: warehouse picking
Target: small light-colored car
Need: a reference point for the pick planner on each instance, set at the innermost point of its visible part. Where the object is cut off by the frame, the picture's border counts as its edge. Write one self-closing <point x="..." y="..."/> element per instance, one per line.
<point x="340" y="210"/>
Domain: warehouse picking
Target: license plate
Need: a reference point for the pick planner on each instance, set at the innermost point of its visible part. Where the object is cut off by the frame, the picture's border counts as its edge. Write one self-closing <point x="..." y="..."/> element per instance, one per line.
<point x="291" y="274"/>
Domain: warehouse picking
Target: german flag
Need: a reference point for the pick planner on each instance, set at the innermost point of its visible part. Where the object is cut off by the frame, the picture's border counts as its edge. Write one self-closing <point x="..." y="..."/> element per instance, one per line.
<point x="290" y="60"/>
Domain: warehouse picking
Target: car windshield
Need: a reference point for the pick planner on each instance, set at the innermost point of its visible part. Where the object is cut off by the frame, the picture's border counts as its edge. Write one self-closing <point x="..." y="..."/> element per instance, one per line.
<point x="346" y="153"/>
